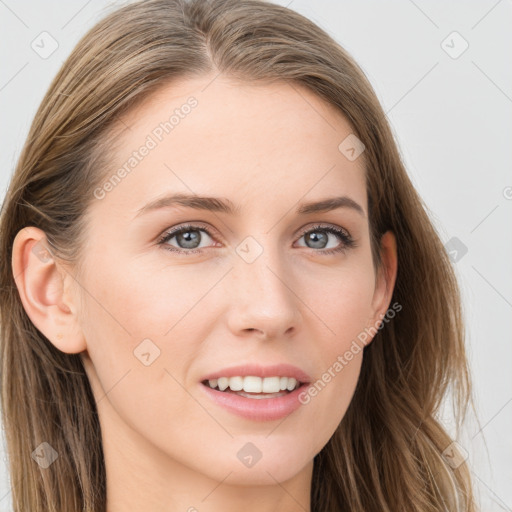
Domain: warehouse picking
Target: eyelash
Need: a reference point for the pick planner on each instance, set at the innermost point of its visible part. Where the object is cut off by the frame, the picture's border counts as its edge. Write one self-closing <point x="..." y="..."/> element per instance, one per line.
<point x="344" y="236"/>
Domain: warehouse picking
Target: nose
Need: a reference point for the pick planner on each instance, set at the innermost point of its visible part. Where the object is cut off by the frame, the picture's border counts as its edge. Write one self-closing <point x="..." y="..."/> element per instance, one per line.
<point x="262" y="299"/>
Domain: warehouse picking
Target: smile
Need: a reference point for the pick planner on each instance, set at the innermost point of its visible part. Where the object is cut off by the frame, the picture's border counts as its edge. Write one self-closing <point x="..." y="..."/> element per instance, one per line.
<point x="258" y="393"/>
<point x="255" y="387"/>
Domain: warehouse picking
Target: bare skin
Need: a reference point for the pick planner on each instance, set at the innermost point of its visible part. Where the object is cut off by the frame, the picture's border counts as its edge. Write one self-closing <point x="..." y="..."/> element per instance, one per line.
<point x="168" y="446"/>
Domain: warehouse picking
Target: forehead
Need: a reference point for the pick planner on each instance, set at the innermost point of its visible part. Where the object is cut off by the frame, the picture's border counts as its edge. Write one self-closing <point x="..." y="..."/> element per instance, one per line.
<point x="244" y="141"/>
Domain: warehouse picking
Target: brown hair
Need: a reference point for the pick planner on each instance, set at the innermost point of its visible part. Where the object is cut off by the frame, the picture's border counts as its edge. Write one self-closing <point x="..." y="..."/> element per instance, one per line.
<point x="387" y="453"/>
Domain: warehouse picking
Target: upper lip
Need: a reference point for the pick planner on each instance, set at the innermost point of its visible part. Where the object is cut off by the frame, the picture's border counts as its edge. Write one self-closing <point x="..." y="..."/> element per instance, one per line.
<point x="275" y="370"/>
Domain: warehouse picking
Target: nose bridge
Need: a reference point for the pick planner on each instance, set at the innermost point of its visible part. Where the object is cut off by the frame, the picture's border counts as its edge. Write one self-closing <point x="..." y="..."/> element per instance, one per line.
<point x="263" y="299"/>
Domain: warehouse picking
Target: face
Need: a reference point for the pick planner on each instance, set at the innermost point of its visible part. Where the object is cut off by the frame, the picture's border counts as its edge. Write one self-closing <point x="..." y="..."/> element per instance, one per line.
<point x="175" y="293"/>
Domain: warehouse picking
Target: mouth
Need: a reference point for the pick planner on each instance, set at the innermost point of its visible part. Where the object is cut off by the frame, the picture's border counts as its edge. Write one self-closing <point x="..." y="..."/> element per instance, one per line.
<point x="257" y="393"/>
<point x="255" y="387"/>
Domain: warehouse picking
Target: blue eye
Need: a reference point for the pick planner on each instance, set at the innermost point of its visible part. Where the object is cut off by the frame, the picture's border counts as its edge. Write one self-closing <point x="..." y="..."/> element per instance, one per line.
<point x="342" y="235"/>
<point x="188" y="237"/>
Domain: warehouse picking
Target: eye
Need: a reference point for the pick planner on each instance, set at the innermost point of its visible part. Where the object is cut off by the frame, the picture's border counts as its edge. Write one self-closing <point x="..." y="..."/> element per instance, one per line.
<point x="318" y="238"/>
<point x="187" y="237"/>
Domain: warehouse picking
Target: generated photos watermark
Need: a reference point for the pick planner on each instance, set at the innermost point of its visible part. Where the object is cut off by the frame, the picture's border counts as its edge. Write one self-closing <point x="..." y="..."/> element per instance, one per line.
<point x="154" y="138"/>
<point x="357" y="345"/>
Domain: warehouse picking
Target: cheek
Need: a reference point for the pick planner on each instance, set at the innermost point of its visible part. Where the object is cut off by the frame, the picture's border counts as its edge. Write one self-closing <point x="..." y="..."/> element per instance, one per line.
<point x="344" y="305"/>
<point x="136" y="370"/>
<point x="343" y="302"/>
<point x="144" y="300"/>
<point x="136" y="324"/>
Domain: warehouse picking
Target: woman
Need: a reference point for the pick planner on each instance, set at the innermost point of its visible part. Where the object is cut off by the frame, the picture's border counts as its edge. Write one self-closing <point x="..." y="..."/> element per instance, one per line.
<point x="225" y="291"/>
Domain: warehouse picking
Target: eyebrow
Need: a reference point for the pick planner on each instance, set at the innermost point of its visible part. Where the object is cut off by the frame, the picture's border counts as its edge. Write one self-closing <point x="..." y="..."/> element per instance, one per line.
<point x="223" y="205"/>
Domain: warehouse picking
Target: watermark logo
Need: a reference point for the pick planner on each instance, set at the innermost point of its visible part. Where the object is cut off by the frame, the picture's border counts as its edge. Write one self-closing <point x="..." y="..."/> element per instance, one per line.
<point x="41" y="252"/>
<point x="249" y="249"/>
<point x="44" y="45"/>
<point x="454" y="45"/>
<point x="249" y="455"/>
<point x="455" y="455"/>
<point x="456" y="249"/>
<point x="45" y="455"/>
<point x="351" y="147"/>
<point x="146" y="352"/>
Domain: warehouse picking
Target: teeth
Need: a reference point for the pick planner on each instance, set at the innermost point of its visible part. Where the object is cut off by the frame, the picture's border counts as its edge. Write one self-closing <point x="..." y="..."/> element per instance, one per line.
<point x="223" y="383"/>
<point x="271" y="385"/>
<point x="252" y="384"/>
<point x="291" y="384"/>
<point x="236" y="383"/>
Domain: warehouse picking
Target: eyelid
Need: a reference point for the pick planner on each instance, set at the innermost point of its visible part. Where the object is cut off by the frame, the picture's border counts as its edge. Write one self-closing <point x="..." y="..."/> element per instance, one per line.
<point x="324" y="225"/>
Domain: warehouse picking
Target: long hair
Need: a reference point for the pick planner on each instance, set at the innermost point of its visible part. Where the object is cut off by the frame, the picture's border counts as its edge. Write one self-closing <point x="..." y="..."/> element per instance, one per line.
<point x="387" y="453"/>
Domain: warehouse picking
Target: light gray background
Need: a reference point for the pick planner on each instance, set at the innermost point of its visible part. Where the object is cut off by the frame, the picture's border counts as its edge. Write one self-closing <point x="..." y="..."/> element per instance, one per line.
<point x="452" y="120"/>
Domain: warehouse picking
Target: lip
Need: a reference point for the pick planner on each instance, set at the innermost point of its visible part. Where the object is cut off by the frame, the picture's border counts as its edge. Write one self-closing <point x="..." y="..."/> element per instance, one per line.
<point x="256" y="409"/>
<point x="261" y="409"/>
<point x="276" y="370"/>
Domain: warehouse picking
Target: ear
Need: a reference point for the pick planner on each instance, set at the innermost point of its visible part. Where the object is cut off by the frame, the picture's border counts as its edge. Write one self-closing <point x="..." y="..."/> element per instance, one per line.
<point x="44" y="286"/>
<point x="384" y="280"/>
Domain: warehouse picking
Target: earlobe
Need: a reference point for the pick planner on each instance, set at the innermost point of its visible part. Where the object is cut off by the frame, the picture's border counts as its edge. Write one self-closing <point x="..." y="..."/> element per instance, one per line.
<point x="42" y="286"/>
<point x="386" y="278"/>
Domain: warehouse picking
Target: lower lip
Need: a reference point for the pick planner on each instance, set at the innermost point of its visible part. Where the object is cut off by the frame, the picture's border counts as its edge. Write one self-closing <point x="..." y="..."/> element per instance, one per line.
<point x="257" y="409"/>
